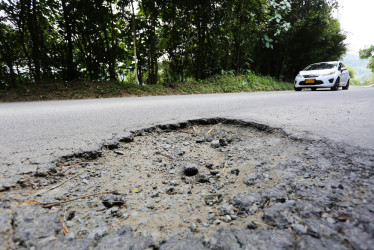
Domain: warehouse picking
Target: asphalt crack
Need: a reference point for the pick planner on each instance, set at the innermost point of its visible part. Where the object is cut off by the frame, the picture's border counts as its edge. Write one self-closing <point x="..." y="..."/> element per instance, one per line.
<point x="207" y="183"/>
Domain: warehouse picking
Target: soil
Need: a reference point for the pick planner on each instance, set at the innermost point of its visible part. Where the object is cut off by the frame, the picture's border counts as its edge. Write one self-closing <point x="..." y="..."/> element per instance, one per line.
<point x="195" y="186"/>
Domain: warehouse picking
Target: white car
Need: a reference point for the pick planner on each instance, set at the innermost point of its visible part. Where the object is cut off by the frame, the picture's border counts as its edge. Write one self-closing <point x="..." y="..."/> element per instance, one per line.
<point x="323" y="75"/>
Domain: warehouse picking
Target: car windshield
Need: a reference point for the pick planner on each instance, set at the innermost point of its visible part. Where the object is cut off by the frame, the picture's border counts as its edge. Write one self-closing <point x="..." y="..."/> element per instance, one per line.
<point x="318" y="66"/>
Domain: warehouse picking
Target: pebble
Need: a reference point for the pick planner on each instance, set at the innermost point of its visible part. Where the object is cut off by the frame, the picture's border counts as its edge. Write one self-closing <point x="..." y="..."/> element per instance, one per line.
<point x="202" y="178"/>
<point x="155" y="194"/>
<point x="254" y="179"/>
<point x="69" y="223"/>
<point x="111" y="200"/>
<point x="71" y="215"/>
<point x="215" y="144"/>
<point x="234" y="217"/>
<point x="223" y="142"/>
<point x="119" y="152"/>
<point x="98" y="232"/>
<point x="299" y="228"/>
<point x="193" y="227"/>
<point x="170" y="190"/>
<point x="150" y="205"/>
<point x="330" y="220"/>
<point x="228" y="218"/>
<point x="70" y="236"/>
<point x="174" y="182"/>
<point x="85" y="181"/>
<point x="252" y="225"/>
<point x="190" y="169"/>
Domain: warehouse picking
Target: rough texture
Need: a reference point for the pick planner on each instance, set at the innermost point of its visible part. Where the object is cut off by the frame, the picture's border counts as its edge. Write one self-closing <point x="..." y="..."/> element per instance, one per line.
<point x="167" y="187"/>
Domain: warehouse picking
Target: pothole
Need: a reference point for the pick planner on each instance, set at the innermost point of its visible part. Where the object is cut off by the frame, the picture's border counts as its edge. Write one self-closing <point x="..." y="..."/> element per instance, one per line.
<point x="179" y="183"/>
<point x="195" y="181"/>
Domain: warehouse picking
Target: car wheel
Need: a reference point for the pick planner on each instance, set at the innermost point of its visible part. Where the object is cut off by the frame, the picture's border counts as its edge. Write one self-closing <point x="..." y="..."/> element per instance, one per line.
<point x="336" y="86"/>
<point x="297" y="89"/>
<point x="346" y="86"/>
<point x="314" y="89"/>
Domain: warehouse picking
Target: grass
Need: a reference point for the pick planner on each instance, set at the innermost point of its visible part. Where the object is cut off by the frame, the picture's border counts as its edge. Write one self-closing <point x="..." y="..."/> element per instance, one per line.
<point x="83" y="89"/>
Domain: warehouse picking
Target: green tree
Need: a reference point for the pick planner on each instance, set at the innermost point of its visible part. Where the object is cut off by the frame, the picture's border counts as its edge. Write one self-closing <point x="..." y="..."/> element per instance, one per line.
<point x="352" y="72"/>
<point x="9" y="56"/>
<point x="104" y="39"/>
<point x="368" y="54"/>
<point x="314" y="36"/>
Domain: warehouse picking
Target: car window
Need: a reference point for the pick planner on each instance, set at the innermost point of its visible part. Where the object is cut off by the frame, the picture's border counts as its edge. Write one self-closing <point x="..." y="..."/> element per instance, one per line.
<point x="318" y="66"/>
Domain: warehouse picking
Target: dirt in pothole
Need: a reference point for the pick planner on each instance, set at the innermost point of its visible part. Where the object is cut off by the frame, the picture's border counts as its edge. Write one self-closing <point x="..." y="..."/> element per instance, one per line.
<point x="161" y="200"/>
<point x="197" y="181"/>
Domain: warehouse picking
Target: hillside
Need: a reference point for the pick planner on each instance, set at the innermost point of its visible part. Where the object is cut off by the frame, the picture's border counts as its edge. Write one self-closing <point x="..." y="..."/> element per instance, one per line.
<point x="354" y="61"/>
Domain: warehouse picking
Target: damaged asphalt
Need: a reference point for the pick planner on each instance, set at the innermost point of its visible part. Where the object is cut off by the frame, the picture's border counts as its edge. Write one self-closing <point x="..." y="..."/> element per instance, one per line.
<point x="252" y="187"/>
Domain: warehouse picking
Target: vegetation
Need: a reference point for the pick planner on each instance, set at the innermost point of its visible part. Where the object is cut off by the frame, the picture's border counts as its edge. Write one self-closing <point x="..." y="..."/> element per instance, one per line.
<point x="78" y="89"/>
<point x="368" y="54"/>
<point x="356" y="81"/>
<point x="361" y="72"/>
<point x="186" y="44"/>
<point x="353" y="81"/>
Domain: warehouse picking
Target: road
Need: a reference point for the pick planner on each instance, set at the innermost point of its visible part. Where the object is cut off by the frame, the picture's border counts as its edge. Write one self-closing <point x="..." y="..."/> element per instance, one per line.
<point x="38" y="132"/>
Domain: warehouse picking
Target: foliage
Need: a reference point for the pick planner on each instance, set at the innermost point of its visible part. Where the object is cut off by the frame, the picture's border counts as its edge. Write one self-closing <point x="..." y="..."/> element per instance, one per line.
<point x="357" y="82"/>
<point x="360" y="66"/>
<point x="227" y="82"/>
<point x="368" y="54"/>
<point x="352" y="72"/>
<point x="314" y="35"/>
<point x="162" y="41"/>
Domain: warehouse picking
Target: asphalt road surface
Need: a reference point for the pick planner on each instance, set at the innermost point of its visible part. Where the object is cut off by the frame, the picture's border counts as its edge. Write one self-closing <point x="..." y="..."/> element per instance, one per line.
<point x="38" y="132"/>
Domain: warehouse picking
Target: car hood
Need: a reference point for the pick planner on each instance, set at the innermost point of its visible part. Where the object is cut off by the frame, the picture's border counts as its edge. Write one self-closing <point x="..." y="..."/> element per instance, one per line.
<point x="317" y="72"/>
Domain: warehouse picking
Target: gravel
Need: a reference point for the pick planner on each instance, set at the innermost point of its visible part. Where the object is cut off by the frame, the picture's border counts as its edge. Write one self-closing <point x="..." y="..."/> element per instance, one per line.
<point x="214" y="186"/>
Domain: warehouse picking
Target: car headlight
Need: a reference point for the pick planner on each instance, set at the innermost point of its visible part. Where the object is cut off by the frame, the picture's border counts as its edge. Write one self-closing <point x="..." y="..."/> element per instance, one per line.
<point x="299" y="76"/>
<point x="331" y="73"/>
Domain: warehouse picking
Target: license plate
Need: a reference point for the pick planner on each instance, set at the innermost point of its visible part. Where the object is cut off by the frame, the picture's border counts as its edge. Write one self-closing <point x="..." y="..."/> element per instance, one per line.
<point x="310" y="80"/>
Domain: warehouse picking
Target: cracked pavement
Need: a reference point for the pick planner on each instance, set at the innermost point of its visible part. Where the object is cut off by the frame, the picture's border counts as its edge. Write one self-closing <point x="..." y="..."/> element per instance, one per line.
<point x="34" y="135"/>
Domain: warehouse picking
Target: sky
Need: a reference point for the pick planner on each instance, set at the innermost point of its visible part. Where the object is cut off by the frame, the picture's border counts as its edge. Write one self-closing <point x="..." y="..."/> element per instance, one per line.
<point x="357" y="20"/>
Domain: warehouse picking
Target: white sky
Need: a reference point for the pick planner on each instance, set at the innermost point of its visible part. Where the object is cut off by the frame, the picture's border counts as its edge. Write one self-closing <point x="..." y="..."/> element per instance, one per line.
<point x="357" y="20"/>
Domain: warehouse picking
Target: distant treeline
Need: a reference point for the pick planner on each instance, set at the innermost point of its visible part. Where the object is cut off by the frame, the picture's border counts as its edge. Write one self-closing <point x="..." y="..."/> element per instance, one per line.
<point x="163" y="40"/>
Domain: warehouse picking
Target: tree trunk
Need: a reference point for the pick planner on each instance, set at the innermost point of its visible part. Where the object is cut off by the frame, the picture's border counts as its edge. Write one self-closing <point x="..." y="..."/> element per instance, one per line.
<point x="33" y="27"/>
<point x="152" y="61"/>
<point x="12" y="74"/>
<point x="71" y="70"/>
<point x="112" y="50"/>
<point x="134" y="41"/>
